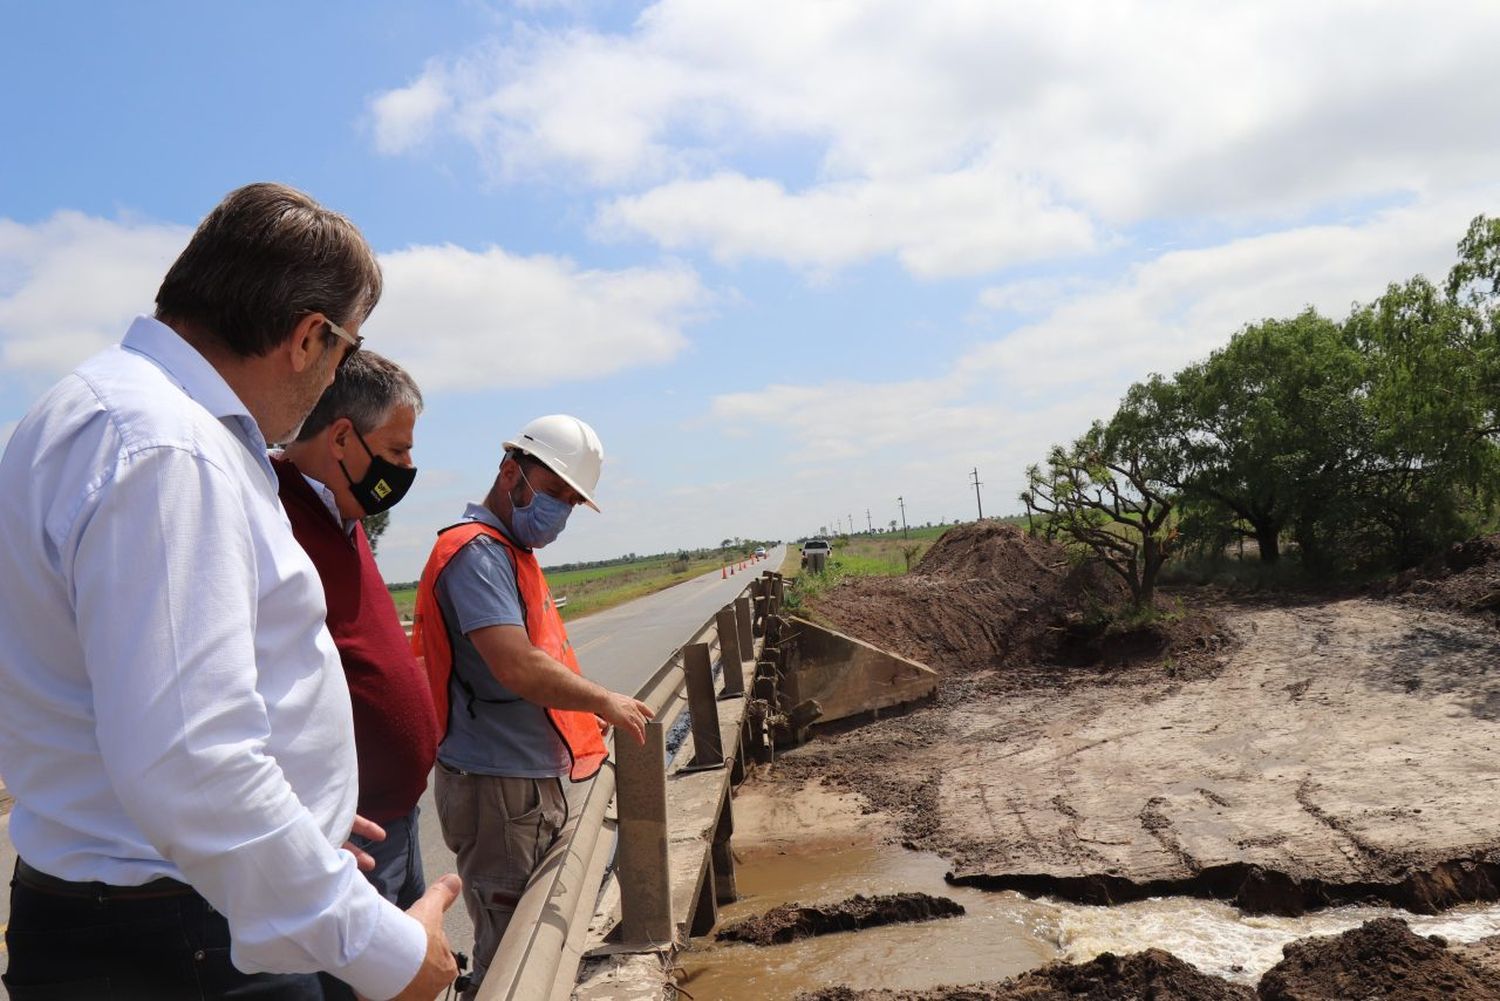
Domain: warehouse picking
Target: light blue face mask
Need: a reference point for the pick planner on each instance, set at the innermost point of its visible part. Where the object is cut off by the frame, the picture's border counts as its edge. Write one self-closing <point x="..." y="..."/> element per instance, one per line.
<point x="540" y="522"/>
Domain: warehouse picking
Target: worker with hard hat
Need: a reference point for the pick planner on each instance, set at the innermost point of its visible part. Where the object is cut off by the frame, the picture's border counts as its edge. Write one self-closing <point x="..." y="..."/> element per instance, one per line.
<point x="516" y="715"/>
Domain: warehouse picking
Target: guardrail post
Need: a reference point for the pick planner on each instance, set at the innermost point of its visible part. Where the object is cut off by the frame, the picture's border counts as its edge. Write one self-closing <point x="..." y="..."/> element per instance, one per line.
<point x="725" y="887"/>
<point x="737" y="763"/>
<point x="765" y="687"/>
<point x="757" y="607"/>
<point x="742" y="620"/>
<point x="708" y="744"/>
<point x="645" y="887"/>
<point x="706" y="908"/>
<point x="729" y="652"/>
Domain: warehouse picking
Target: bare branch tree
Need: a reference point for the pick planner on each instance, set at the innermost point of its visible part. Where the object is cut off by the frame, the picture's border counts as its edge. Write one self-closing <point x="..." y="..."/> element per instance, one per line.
<point x="1103" y="494"/>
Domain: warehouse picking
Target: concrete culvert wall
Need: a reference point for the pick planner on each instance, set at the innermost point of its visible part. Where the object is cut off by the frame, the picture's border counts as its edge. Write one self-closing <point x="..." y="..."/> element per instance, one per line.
<point x="845" y="676"/>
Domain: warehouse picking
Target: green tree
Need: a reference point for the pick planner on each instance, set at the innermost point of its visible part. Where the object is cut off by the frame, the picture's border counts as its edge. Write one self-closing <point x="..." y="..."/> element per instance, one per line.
<point x="1109" y="494"/>
<point x="1431" y="401"/>
<point x="1270" y="426"/>
<point x="375" y="526"/>
<point x="1475" y="279"/>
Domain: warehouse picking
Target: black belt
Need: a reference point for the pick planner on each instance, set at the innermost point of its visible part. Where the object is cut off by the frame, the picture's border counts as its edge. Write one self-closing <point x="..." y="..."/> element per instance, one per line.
<point x="33" y="878"/>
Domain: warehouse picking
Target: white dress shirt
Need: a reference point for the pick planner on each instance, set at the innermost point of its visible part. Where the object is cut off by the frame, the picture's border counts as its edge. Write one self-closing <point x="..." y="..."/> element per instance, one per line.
<point x="325" y="494"/>
<point x="171" y="703"/>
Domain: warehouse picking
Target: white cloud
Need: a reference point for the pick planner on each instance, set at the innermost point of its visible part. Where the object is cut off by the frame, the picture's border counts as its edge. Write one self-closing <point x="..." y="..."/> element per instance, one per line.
<point x="997" y="118"/>
<point x="459" y="318"/>
<point x="1004" y="403"/>
<point x="847" y="420"/>
<point x="1034" y="295"/>
<point x="489" y="319"/>
<point x="1180" y="306"/>
<point x="71" y="283"/>
<point x="404" y="118"/>
<point x="968" y="222"/>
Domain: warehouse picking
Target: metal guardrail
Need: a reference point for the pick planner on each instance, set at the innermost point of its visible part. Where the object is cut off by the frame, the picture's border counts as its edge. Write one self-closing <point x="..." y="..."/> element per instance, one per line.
<point x="542" y="949"/>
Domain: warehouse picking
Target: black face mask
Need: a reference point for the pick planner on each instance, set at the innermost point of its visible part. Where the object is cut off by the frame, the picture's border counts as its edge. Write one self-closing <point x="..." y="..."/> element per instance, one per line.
<point x="383" y="486"/>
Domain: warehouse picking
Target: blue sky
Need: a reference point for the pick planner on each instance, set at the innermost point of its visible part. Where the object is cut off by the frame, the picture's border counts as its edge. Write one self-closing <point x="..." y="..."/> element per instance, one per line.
<point x="791" y="259"/>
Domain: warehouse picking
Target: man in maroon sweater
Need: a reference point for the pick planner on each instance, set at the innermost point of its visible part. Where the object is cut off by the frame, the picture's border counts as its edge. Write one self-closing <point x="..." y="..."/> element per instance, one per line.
<point x="351" y="459"/>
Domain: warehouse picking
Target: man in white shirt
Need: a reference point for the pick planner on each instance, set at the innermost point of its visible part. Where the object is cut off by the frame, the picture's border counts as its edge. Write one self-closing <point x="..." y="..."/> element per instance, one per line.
<point x="174" y="721"/>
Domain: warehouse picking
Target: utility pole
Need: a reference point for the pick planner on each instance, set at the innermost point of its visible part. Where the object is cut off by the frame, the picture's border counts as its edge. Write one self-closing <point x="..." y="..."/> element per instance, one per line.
<point x="977" y="499"/>
<point x="851" y="522"/>
<point x="869" y="525"/>
<point x="902" y="502"/>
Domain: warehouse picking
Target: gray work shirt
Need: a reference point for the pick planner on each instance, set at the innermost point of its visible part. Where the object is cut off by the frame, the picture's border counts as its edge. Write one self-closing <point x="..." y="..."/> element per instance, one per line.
<point x="497" y="732"/>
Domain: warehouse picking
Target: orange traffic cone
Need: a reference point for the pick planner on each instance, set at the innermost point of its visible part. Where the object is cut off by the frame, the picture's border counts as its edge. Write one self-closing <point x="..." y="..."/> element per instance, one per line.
<point x="723" y="573"/>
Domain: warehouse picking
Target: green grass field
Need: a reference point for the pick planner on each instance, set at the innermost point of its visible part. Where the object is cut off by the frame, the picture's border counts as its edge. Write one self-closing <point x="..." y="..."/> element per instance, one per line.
<point x="870" y="555"/>
<point x="879" y="554"/>
<point x="593" y="589"/>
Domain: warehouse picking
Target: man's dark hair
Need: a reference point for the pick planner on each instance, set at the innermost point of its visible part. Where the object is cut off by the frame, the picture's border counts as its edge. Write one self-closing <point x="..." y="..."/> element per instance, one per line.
<point x="264" y="258"/>
<point x="365" y="389"/>
<point x="525" y="460"/>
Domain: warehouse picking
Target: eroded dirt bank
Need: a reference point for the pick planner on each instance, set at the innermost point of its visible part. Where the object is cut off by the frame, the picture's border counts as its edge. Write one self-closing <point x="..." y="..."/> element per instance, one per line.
<point x="1331" y="752"/>
<point x="790" y="922"/>
<point x="1283" y="756"/>
<point x="1151" y="974"/>
<point x="1381" y="959"/>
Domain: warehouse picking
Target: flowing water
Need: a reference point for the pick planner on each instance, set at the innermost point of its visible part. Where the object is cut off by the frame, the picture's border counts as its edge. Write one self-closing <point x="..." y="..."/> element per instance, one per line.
<point x="1001" y="935"/>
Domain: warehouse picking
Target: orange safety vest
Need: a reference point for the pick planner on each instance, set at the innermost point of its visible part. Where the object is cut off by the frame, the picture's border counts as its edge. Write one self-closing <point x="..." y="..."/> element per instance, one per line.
<point x="544" y="627"/>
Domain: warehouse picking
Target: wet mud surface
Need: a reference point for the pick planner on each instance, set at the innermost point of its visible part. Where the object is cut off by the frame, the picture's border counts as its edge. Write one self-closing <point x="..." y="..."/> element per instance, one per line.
<point x="1382" y="959"/>
<point x="1284" y="756"/>
<point x="1151" y="974"/>
<point x="791" y="922"/>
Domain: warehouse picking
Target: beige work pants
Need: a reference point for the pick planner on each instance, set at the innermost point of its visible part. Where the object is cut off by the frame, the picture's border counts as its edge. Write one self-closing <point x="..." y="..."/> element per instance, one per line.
<point x="499" y="828"/>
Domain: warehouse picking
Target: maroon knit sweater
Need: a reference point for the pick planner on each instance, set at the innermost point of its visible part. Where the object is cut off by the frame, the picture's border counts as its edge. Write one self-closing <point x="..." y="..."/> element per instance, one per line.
<point x="395" y="728"/>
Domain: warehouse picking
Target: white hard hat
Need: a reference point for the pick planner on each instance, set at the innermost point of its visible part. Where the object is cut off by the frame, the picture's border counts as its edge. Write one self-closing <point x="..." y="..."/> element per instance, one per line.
<point x="568" y="447"/>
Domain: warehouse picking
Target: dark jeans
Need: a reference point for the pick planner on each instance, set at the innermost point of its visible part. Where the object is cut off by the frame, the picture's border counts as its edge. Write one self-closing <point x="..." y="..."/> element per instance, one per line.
<point x="104" y="947"/>
<point x="398" y="860"/>
<point x="397" y="875"/>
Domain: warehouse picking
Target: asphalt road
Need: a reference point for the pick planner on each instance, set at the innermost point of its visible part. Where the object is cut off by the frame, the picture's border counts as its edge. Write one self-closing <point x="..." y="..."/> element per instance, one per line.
<point x="620" y="648"/>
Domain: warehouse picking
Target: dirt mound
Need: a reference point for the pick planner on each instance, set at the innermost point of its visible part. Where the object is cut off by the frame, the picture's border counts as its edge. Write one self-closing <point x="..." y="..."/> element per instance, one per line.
<point x="1380" y="959"/>
<point x="992" y="549"/>
<point x="1152" y="974"/>
<point x="791" y="922"/>
<point x="1466" y="578"/>
<point x="988" y="596"/>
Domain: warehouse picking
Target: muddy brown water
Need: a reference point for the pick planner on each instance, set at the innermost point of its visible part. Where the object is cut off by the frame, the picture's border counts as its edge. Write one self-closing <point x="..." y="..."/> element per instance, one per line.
<point x="1001" y="935"/>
